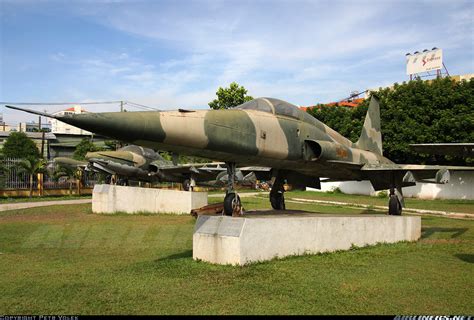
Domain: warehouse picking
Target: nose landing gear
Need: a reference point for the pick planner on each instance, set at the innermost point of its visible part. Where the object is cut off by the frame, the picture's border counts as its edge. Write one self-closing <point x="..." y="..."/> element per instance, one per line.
<point x="277" y="194"/>
<point x="232" y="204"/>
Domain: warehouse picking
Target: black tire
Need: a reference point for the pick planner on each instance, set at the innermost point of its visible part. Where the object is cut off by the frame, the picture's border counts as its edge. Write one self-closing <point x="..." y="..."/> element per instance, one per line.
<point x="394" y="207"/>
<point x="186" y="185"/>
<point x="122" y="182"/>
<point x="278" y="201"/>
<point x="231" y="203"/>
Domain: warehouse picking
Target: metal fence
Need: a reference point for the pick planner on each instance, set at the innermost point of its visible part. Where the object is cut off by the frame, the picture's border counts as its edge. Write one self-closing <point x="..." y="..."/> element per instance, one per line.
<point x="12" y="177"/>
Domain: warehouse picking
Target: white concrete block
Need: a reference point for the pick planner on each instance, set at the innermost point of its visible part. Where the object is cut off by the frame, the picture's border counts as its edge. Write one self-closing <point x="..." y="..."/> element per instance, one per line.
<point x="460" y="186"/>
<point x="242" y="240"/>
<point x="111" y="198"/>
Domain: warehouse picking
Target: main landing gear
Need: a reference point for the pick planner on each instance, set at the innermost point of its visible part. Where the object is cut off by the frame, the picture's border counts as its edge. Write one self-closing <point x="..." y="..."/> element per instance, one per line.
<point x="232" y="204"/>
<point x="277" y="196"/>
<point x="189" y="184"/>
<point x="395" y="202"/>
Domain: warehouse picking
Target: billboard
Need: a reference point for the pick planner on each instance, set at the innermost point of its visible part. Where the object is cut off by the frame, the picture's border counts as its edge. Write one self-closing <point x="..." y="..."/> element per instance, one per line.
<point x="424" y="61"/>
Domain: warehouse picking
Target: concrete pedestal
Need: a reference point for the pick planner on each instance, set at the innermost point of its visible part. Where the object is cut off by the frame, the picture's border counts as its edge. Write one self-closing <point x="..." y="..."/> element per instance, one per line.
<point x="111" y="198"/>
<point x="259" y="237"/>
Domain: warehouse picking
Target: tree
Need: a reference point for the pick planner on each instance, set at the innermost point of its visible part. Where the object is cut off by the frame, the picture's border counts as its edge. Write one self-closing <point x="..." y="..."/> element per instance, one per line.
<point x="31" y="167"/>
<point x="112" y="144"/>
<point x="69" y="172"/>
<point x="3" y="169"/>
<point x="440" y="110"/>
<point x="18" y="145"/>
<point x="168" y="156"/>
<point x="85" y="146"/>
<point x="230" y="97"/>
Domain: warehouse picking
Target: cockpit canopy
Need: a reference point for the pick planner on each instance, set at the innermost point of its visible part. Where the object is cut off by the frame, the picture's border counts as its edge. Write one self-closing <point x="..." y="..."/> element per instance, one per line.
<point x="271" y="105"/>
<point x="146" y="152"/>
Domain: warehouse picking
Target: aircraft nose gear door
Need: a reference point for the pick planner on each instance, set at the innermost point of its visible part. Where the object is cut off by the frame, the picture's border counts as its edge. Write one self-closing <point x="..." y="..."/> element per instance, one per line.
<point x="232" y="204"/>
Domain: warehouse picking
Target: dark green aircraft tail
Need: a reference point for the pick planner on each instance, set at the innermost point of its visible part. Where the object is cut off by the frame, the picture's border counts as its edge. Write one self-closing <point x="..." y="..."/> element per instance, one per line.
<point x="371" y="137"/>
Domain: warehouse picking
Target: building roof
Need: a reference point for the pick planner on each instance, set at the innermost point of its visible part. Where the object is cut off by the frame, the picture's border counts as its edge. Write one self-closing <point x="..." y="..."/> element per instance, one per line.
<point x="32" y="135"/>
<point x="73" y="109"/>
<point x="352" y="104"/>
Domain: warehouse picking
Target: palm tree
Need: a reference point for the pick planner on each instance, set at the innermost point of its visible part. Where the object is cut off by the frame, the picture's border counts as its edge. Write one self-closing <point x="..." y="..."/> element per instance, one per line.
<point x="31" y="167"/>
<point x="66" y="171"/>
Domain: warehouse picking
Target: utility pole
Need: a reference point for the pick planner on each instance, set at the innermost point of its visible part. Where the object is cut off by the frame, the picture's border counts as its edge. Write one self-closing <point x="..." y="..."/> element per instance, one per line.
<point x="42" y="143"/>
<point x="121" y="106"/>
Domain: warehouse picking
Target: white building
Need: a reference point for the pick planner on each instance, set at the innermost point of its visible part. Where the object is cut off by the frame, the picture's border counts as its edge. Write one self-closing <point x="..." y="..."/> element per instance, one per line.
<point x="61" y="127"/>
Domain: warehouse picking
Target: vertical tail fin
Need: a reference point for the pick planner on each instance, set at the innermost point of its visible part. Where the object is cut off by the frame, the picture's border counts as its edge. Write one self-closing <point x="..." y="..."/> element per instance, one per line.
<point x="371" y="137"/>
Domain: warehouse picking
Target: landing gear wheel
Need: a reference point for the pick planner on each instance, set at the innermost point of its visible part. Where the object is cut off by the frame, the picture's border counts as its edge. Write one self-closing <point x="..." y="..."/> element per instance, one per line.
<point x="122" y="182"/>
<point x="278" y="201"/>
<point x="186" y="185"/>
<point x="394" y="207"/>
<point x="232" y="204"/>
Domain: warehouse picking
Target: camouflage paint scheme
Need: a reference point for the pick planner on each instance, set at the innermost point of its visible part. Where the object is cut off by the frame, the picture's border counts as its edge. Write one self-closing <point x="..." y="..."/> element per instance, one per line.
<point x="144" y="164"/>
<point x="131" y="162"/>
<point x="265" y="132"/>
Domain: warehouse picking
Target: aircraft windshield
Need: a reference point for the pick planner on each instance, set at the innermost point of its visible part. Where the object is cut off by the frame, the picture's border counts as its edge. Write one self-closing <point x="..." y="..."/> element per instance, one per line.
<point x="132" y="148"/>
<point x="271" y="105"/>
<point x="259" y="104"/>
<point x="284" y="108"/>
<point x="149" y="153"/>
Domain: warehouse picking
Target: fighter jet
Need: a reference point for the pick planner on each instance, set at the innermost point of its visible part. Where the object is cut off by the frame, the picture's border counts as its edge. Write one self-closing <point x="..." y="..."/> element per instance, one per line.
<point x="452" y="149"/>
<point x="67" y="163"/>
<point x="133" y="162"/>
<point x="271" y="133"/>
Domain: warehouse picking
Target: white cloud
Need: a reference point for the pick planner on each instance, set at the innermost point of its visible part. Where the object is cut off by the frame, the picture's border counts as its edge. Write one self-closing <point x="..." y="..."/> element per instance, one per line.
<point x="302" y="51"/>
<point x="230" y="42"/>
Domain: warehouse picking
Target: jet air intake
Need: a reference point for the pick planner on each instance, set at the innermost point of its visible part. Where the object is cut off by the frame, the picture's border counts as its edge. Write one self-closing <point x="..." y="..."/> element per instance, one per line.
<point x="324" y="150"/>
<point x="315" y="150"/>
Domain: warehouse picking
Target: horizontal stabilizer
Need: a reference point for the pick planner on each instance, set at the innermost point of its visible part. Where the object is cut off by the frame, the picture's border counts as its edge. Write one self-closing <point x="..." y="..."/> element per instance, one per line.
<point x="458" y="149"/>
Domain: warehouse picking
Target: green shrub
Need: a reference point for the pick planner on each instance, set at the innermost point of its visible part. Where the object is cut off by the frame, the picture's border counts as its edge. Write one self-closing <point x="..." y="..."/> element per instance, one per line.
<point x="382" y="194"/>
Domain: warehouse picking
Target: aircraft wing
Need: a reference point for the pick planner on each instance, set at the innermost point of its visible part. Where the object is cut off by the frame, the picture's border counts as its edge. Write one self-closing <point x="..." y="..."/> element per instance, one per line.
<point x="213" y="170"/>
<point x="454" y="149"/>
<point x="212" y="167"/>
<point x="380" y="175"/>
<point x="109" y="155"/>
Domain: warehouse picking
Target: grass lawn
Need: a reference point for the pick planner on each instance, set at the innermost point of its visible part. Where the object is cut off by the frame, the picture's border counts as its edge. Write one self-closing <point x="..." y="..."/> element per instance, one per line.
<point x="464" y="206"/>
<point x="44" y="198"/>
<point x="66" y="260"/>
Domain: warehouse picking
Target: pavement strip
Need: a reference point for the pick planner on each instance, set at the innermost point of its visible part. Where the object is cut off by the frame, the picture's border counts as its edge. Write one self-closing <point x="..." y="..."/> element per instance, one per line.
<point x="458" y="215"/>
<point x="34" y="204"/>
<point x="410" y="210"/>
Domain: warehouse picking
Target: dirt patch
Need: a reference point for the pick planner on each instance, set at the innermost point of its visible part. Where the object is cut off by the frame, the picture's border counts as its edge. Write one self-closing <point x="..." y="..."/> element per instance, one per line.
<point x="436" y="241"/>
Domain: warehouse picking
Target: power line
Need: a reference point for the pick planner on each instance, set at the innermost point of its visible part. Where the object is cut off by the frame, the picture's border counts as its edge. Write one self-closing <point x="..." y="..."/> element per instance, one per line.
<point x="141" y="106"/>
<point x="130" y="103"/>
<point x="57" y="103"/>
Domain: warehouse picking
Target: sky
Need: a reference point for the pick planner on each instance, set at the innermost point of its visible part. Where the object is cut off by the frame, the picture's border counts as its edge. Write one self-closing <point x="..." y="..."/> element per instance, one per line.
<point x="176" y="54"/>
